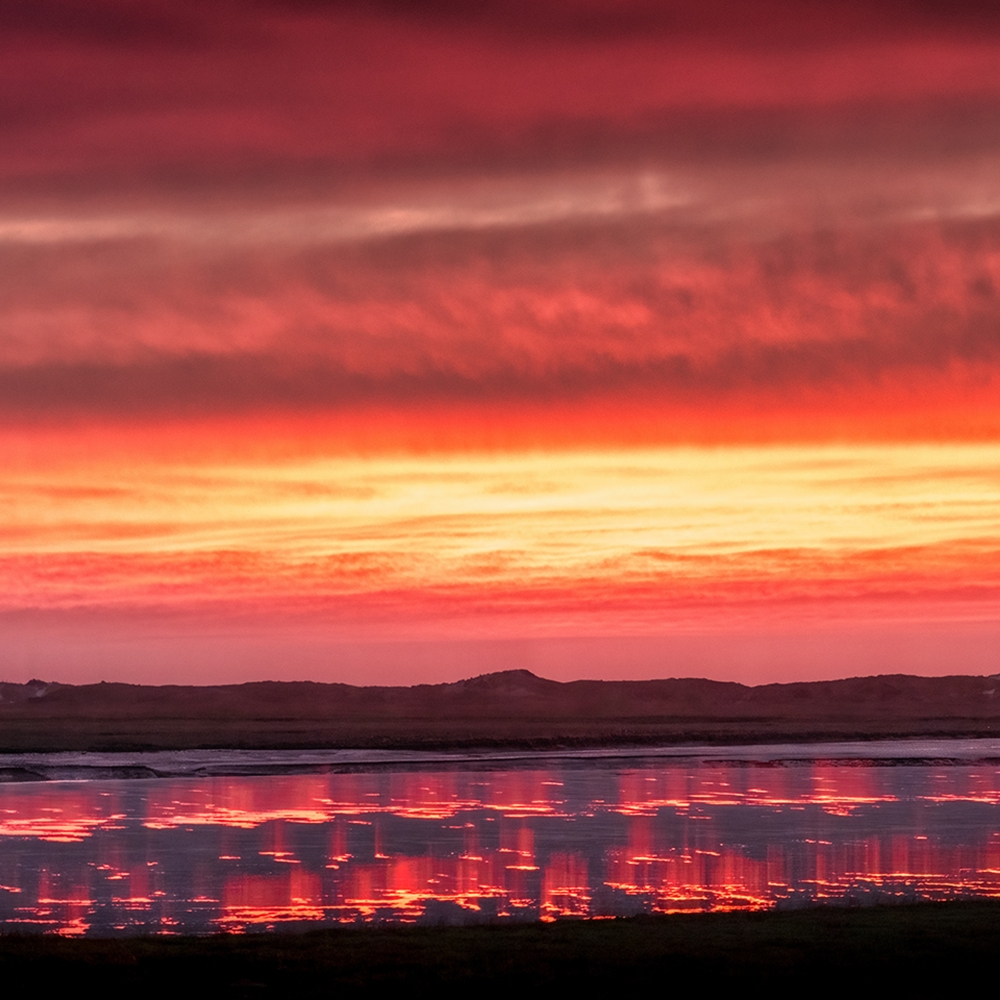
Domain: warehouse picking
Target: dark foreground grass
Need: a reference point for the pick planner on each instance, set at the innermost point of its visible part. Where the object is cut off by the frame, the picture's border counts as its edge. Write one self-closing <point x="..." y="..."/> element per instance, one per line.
<point x="922" y="948"/>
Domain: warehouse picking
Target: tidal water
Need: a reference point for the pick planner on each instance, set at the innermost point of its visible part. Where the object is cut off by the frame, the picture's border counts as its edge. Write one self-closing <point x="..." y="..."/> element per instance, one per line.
<point x="203" y="841"/>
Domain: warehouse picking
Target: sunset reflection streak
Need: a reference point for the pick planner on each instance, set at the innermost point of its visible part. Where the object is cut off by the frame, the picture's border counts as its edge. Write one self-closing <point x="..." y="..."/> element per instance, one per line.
<point x="459" y="846"/>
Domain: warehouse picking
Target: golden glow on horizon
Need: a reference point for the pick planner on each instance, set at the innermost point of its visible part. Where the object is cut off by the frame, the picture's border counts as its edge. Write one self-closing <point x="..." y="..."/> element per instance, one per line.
<point x="534" y="527"/>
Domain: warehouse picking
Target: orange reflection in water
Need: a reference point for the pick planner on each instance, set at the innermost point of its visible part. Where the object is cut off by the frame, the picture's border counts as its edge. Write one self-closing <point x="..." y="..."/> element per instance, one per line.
<point x="837" y="789"/>
<point x="456" y="846"/>
<point x="56" y="813"/>
<point x="255" y="899"/>
<point x="237" y="802"/>
<point x="64" y="901"/>
<point x="399" y="887"/>
<point x="566" y="886"/>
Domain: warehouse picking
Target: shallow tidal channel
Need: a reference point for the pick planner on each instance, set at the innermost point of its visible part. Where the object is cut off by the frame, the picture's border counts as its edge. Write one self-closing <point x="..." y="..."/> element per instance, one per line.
<point x="197" y="842"/>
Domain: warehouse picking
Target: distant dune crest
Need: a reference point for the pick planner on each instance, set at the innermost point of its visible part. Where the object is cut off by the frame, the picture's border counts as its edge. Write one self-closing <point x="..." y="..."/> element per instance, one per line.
<point x="512" y="707"/>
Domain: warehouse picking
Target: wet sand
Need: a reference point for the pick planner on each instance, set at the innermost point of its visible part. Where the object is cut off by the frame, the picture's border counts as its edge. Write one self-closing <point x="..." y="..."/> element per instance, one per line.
<point x="96" y="765"/>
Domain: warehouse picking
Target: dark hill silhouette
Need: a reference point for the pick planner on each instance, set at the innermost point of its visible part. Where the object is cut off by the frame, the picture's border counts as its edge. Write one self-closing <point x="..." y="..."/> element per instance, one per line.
<point x="510" y="707"/>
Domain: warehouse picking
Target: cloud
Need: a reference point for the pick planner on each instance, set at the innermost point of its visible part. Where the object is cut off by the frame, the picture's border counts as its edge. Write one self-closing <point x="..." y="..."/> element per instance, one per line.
<point x="167" y="90"/>
<point x="122" y="22"/>
<point x="638" y="303"/>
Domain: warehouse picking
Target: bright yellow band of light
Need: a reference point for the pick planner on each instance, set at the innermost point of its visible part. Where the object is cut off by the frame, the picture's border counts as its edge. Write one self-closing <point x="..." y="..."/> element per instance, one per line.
<point x="507" y="522"/>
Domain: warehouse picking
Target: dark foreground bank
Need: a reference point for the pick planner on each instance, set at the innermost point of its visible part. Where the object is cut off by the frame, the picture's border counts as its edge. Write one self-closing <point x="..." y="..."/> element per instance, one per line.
<point x="824" y="951"/>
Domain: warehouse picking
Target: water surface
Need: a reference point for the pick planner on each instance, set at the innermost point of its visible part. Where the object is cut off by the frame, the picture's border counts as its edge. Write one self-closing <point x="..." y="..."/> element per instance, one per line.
<point x="204" y="841"/>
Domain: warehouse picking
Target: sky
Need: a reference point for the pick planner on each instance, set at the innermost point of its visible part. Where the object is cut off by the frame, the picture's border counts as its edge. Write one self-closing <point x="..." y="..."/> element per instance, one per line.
<point x="386" y="342"/>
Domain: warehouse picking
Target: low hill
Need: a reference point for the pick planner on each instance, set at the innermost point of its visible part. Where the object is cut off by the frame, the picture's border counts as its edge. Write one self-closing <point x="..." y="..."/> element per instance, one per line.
<point x="512" y="707"/>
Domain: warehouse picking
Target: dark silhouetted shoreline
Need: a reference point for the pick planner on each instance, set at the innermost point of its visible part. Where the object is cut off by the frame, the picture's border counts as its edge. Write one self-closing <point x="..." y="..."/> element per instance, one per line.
<point x="819" y="951"/>
<point x="509" y="709"/>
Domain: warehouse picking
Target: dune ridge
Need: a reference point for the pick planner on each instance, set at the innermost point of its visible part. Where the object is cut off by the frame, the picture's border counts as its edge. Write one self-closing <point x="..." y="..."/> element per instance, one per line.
<point x="513" y="707"/>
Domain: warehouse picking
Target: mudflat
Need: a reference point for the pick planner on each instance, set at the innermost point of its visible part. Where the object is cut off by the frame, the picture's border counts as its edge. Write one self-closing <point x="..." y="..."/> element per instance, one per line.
<point x="508" y="709"/>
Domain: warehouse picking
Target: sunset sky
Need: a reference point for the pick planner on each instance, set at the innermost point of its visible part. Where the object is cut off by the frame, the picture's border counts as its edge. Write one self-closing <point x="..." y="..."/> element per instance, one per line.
<point x="391" y="342"/>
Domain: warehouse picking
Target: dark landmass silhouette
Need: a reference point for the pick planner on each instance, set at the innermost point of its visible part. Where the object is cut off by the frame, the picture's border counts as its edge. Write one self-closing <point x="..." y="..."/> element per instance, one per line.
<point x="916" y="949"/>
<point x="512" y="708"/>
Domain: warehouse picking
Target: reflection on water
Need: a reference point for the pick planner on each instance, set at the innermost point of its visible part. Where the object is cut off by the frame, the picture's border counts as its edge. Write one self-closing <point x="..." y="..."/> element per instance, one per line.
<point x="235" y="853"/>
